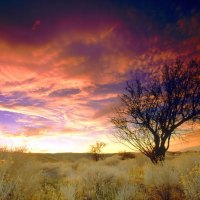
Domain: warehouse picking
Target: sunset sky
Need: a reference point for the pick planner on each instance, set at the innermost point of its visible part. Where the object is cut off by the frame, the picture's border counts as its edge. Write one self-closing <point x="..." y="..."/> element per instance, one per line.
<point x="63" y="64"/>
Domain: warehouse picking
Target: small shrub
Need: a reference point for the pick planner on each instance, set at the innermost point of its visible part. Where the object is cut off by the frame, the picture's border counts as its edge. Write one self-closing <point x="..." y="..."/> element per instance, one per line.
<point x="100" y="183"/>
<point x="126" y="155"/>
<point x="162" y="182"/>
<point x="96" y="150"/>
<point x="111" y="161"/>
<point x="191" y="183"/>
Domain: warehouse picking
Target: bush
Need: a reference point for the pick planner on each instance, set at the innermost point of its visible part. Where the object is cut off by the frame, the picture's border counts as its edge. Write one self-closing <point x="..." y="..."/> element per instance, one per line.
<point x="96" y="150"/>
<point x="126" y="155"/>
<point x="191" y="183"/>
<point x="162" y="182"/>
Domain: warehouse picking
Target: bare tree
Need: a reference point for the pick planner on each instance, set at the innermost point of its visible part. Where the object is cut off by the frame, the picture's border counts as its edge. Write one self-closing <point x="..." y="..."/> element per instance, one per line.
<point x="151" y="112"/>
<point x="96" y="150"/>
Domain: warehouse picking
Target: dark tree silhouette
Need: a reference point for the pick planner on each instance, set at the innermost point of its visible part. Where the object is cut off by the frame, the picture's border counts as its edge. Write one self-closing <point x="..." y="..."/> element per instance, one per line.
<point x="151" y="112"/>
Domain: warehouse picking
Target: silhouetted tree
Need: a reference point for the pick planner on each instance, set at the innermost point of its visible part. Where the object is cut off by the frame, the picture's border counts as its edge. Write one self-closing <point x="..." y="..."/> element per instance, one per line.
<point x="151" y="112"/>
<point x="96" y="150"/>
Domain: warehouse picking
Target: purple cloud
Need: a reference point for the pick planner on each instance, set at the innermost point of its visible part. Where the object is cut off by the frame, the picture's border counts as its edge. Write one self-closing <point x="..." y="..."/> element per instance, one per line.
<point x="64" y="92"/>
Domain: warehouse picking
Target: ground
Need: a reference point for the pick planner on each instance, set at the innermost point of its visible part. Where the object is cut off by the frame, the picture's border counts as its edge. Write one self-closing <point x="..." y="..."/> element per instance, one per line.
<point x="67" y="176"/>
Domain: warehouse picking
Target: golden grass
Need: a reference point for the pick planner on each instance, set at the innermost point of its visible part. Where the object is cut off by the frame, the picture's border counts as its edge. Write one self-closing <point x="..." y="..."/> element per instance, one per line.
<point x="26" y="176"/>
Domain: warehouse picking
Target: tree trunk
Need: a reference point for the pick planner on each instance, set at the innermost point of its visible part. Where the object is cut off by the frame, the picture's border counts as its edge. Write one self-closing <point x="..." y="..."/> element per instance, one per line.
<point x="158" y="154"/>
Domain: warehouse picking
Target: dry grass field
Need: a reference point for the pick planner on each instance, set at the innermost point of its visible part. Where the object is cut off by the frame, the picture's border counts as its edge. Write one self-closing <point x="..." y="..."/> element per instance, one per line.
<point x="25" y="176"/>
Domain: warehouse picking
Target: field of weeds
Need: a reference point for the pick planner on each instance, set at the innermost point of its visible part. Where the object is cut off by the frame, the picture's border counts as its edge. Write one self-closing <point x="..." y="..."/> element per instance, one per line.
<point x="26" y="176"/>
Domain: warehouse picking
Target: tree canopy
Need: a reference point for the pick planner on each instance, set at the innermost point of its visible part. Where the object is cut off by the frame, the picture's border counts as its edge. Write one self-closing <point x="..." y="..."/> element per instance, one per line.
<point x="152" y="111"/>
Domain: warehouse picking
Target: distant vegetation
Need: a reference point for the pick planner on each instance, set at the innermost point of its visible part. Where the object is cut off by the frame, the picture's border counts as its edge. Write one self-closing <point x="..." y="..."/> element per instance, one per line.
<point x="96" y="150"/>
<point x="126" y="155"/>
<point x="25" y="176"/>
